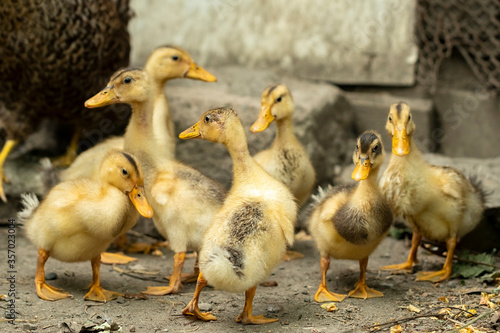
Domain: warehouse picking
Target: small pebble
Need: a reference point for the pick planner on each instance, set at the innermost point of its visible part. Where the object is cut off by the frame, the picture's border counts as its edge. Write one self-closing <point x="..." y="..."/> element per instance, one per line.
<point x="205" y="306"/>
<point x="131" y="328"/>
<point x="51" y="276"/>
<point x="270" y="283"/>
<point x="274" y="308"/>
<point x="29" y="327"/>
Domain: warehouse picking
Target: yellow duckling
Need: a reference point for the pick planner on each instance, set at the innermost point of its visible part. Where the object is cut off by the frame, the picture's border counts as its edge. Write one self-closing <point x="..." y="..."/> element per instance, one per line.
<point x="249" y="235"/>
<point x="438" y="203"/>
<point x="350" y="221"/>
<point x="79" y="219"/>
<point x="286" y="159"/>
<point x="164" y="64"/>
<point x="184" y="200"/>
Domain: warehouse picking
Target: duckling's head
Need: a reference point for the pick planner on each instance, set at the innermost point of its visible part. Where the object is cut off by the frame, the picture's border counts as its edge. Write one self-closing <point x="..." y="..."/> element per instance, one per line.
<point x="170" y="62"/>
<point x="216" y="125"/>
<point x="400" y="126"/>
<point x="276" y="103"/>
<point x="123" y="171"/>
<point x="127" y="85"/>
<point x="368" y="155"/>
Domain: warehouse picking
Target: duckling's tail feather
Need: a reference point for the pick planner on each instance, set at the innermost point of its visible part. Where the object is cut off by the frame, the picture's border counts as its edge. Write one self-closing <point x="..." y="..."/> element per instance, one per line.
<point x="478" y="186"/>
<point x="30" y="203"/>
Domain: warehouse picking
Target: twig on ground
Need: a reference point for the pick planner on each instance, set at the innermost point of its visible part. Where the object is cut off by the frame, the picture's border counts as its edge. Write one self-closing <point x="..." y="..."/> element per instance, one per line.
<point x="378" y="327"/>
<point x="145" y="278"/>
<point x="471" y="321"/>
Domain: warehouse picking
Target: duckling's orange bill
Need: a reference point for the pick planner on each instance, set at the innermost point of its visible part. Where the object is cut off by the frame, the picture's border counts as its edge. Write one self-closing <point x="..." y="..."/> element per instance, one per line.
<point x="104" y="97"/>
<point x="400" y="143"/>
<point x="192" y="132"/>
<point x="138" y="198"/>
<point x="264" y="120"/>
<point x="361" y="171"/>
<point x="196" y="72"/>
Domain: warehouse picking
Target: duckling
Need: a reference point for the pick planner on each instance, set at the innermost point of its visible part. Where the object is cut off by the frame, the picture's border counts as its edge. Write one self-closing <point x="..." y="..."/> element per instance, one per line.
<point x="286" y="159"/>
<point x="165" y="63"/>
<point x="438" y="203"/>
<point x="350" y="221"/>
<point x="79" y="219"/>
<point x="249" y="234"/>
<point x="184" y="200"/>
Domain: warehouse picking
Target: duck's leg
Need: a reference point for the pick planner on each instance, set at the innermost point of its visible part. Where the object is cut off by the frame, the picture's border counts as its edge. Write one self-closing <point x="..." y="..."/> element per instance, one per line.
<point x="190" y="277"/>
<point x="192" y="308"/>
<point x="445" y="273"/>
<point x="323" y="294"/>
<point x="361" y="290"/>
<point x="43" y="290"/>
<point x="175" y="280"/>
<point x="412" y="257"/>
<point x="116" y="258"/>
<point x="246" y="316"/>
<point x="7" y="147"/>
<point x="70" y="155"/>
<point x="96" y="292"/>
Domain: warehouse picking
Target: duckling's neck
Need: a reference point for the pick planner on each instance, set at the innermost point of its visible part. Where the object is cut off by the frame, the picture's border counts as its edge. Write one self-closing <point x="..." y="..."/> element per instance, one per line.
<point x="284" y="131"/>
<point x="163" y="125"/>
<point x="369" y="184"/>
<point x="139" y="133"/>
<point x="242" y="160"/>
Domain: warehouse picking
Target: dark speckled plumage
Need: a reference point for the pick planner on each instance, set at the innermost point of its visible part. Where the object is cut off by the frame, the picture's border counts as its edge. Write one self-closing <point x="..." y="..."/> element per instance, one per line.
<point x="246" y="221"/>
<point x="56" y="54"/>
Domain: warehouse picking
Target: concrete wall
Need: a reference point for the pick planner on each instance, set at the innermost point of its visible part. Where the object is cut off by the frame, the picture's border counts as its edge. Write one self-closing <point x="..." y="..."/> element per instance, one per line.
<point x="346" y="42"/>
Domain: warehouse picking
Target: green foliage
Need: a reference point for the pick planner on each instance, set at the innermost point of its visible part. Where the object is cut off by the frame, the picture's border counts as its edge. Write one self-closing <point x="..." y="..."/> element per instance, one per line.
<point x="471" y="270"/>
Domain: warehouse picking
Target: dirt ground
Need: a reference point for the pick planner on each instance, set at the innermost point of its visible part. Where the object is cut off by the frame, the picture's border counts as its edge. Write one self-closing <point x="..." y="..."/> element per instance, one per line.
<point x="292" y="300"/>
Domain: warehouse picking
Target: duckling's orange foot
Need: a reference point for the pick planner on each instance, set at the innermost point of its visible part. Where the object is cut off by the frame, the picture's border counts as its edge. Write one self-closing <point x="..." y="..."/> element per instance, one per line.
<point x="191" y="310"/>
<point x="438" y="276"/>
<point x="49" y="293"/>
<point x="160" y="291"/>
<point x="291" y="255"/>
<point x="98" y="294"/>
<point x="116" y="258"/>
<point x="324" y="295"/>
<point x="254" y="320"/>
<point x="405" y="267"/>
<point x="363" y="291"/>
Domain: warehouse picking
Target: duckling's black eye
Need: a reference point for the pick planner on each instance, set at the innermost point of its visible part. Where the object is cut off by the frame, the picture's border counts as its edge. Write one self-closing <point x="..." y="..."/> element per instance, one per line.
<point x="207" y="119"/>
<point x="409" y="118"/>
<point x="357" y="147"/>
<point x="278" y="99"/>
<point x="127" y="80"/>
<point x="390" y="119"/>
<point x="376" y="148"/>
<point x="175" y="58"/>
<point x="124" y="172"/>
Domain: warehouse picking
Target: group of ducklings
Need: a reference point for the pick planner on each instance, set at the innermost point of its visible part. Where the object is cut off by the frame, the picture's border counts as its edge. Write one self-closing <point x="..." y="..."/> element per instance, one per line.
<point x="240" y="236"/>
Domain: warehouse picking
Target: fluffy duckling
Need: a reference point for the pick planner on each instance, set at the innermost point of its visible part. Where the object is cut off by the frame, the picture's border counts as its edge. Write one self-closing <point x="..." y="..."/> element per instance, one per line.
<point x="286" y="159"/>
<point x="350" y="221"/>
<point x="79" y="219"/>
<point x="184" y="200"/>
<point x="438" y="203"/>
<point x="249" y="235"/>
<point x="164" y="64"/>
